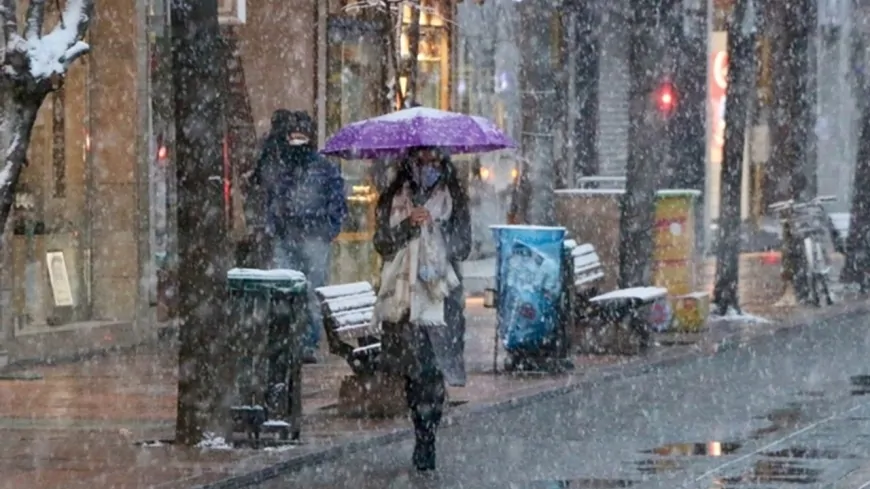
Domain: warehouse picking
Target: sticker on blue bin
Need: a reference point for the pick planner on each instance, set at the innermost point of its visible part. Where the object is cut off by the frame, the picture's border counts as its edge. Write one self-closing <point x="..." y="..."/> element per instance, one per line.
<point x="529" y="283"/>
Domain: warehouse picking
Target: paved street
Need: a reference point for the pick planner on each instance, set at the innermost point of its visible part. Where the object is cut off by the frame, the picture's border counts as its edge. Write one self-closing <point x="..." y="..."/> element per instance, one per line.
<point x="781" y="413"/>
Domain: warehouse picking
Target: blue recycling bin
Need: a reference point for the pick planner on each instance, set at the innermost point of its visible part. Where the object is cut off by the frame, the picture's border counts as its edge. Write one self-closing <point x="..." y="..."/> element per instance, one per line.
<point x="528" y="284"/>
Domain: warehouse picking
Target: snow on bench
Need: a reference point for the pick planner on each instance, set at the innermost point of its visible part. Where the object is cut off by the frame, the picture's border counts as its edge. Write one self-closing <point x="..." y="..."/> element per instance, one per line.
<point x="277" y="274"/>
<point x="356" y="288"/>
<point x="586" y="264"/>
<point x="348" y="312"/>
<point x="643" y="294"/>
<point x="588" y="269"/>
<point x="350" y="302"/>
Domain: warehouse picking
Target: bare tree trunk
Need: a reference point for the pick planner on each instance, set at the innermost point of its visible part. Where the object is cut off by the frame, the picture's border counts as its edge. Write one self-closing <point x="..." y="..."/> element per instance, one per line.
<point x="689" y="142"/>
<point x="413" y="65"/>
<point x="538" y="88"/>
<point x="393" y="96"/>
<point x="645" y="146"/>
<point x="30" y="71"/>
<point x="15" y="129"/>
<point x="584" y="54"/>
<point x="798" y="34"/>
<point x="857" y="267"/>
<point x="741" y="78"/>
<point x="202" y="240"/>
<point x="778" y="176"/>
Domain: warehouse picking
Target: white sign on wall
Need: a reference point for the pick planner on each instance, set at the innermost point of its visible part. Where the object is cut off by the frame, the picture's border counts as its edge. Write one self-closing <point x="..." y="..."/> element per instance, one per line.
<point x="231" y="11"/>
<point x="59" y="279"/>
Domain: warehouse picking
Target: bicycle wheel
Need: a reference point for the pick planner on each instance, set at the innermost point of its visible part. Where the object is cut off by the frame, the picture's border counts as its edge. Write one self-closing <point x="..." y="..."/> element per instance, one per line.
<point x="823" y="267"/>
<point x="810" y="271"/>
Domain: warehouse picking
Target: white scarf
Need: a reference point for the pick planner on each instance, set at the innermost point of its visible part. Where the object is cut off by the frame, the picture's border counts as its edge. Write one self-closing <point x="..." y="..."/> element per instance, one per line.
<point x="419" y="277"/>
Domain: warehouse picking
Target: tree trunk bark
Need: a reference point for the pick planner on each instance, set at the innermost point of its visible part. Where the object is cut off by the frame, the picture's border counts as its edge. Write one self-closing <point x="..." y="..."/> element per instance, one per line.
<point x="857" y="267"/>
<point x="585" y="120"/>
<point x="413" y="68"/>
<point x="741" y="77"/>
<point x="645" y="146"/>
<point x="16" y="124"/>
<point x="778" y="176"/>
<point x="202" y="240"/>
<point x="689" y="142"/>
<point x="538" y="92"/>
<point x="800" y="126"/>
<point x="30" y="71"/>
<point x="393" y="96"/>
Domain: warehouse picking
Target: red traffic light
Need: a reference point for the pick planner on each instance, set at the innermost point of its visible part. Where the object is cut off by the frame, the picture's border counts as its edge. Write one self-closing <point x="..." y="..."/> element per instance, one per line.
<point x="666" y="98"/>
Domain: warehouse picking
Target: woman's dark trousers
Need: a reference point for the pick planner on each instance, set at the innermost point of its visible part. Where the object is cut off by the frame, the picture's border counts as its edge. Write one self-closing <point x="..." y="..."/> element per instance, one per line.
<point x="407" y="351"/>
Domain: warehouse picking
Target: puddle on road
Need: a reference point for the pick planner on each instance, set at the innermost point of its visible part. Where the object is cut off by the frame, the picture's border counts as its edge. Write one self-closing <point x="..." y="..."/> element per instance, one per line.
<point x="807" y="453"/>
<point x="775" y="472"/>
<point x="780" y="420"/>
<point x="813" y="394"/>
<point x="708" y="449"/>
<point x="657" y="465"/>
<point x="584" y="484"/>
<point x="860" y="385"/>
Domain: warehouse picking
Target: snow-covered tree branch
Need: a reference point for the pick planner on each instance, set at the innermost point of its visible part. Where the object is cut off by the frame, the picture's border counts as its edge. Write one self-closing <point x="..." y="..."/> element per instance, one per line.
<point x="32" y="64"/>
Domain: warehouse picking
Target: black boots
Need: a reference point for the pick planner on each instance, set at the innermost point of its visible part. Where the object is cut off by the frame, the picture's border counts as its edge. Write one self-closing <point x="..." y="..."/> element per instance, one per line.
<point x="424" y="454"/>
<point x="426" y="394"/>
<point x="425" y="423"/>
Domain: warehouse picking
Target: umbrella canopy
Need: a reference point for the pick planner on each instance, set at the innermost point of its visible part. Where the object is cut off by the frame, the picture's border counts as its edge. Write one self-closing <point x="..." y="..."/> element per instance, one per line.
<point x="392" y="134"/>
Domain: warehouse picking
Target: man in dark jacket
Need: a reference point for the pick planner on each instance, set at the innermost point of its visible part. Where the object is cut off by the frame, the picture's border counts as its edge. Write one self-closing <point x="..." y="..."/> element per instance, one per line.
<point x="304" y="198"/>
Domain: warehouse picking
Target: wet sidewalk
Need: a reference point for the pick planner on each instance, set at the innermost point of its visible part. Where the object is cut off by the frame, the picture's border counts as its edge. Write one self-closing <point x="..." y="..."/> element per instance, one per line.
<point x="78" y="425"/>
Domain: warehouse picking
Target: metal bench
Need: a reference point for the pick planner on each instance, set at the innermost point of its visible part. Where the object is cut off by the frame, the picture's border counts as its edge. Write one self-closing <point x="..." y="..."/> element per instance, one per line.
<point x="347" y="318"/>
<point x="348" y="311"/>
<point x="619" y="316"/>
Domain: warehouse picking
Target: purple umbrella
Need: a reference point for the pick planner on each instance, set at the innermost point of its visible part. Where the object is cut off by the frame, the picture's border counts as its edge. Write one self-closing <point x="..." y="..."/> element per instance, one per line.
<point x="392" y="134"/>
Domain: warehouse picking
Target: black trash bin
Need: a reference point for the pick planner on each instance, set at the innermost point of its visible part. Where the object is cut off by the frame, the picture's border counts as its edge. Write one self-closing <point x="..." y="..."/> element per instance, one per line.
<point x="269" y="317"/>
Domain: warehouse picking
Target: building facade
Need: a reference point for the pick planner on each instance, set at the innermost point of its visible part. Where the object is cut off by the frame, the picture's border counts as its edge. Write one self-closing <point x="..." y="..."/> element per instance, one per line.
<point x="70" y="252"/>
<point x="88" y="255"/>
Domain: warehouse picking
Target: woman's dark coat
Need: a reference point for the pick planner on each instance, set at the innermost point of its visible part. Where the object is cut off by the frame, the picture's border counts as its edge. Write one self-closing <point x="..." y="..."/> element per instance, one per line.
<point x="407" y="350"/>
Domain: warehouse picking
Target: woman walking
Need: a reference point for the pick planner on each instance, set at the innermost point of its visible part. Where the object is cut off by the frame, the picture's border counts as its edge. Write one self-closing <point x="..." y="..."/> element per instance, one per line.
<point x="423" y="232"/>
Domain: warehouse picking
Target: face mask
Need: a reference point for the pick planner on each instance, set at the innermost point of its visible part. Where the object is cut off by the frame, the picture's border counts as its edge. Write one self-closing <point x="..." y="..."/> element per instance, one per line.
<point x="429" y="176"/>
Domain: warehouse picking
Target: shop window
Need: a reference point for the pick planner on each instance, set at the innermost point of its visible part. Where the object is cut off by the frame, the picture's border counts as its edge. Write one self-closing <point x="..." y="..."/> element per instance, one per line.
<point x="433" y="60"/>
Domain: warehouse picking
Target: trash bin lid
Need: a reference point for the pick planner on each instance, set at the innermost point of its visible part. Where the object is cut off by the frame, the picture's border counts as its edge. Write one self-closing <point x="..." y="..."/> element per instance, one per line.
<point x="282" y="280"/>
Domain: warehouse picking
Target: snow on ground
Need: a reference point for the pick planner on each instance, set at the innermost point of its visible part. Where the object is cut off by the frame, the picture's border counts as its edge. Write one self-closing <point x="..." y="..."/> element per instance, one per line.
<point x="733" y="315"/>
<point x="280" y="448"/>
<point x="210" y="441"/>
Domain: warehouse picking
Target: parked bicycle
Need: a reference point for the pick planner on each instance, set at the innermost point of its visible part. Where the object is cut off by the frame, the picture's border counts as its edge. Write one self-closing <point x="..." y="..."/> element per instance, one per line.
<point x="809" y="222"/>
